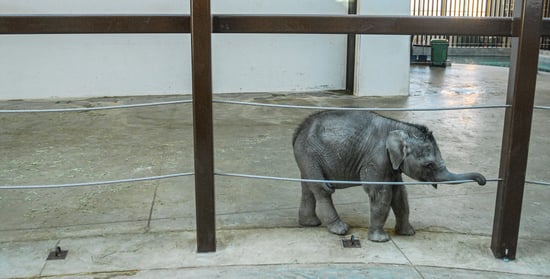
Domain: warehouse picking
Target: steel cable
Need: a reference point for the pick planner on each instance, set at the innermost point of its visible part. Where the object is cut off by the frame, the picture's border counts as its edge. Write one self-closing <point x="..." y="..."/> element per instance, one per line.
<point x="542" y="107"/>
<point x="96" y="183"/>
<point x="240" y="175"/>
<point x="538" y="182"/>
<point x="352" y="108"/>
<point x="344" y="181"/>
<point x="258" y="104"/>
<point x="95" y="108"/>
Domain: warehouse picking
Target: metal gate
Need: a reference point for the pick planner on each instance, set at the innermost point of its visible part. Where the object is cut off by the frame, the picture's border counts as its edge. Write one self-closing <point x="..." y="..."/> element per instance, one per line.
<point x="470" y="8"/>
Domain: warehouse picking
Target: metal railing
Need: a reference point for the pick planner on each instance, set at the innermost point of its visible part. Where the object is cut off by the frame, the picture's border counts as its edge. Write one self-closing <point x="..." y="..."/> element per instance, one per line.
<point x="470" y="8"/>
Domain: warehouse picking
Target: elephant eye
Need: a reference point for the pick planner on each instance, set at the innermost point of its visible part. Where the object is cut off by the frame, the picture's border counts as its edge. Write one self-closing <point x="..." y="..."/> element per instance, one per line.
<point x="429" y="165"/>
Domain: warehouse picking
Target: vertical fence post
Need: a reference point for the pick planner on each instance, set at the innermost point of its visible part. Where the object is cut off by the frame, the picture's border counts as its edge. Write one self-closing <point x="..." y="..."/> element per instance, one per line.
<point x="201" y="51"/>
<point x="517" y="128"/>
<point x="350" y="58"/>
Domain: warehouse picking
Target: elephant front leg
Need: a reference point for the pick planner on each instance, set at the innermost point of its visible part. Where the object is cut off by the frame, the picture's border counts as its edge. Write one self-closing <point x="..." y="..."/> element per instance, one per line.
<point x="380" y="204"/>
<point x="400" y="206"/>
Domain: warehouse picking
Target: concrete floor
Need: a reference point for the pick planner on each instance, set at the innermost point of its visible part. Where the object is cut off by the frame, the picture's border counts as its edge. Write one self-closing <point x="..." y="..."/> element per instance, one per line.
<point x="146" y="229"/>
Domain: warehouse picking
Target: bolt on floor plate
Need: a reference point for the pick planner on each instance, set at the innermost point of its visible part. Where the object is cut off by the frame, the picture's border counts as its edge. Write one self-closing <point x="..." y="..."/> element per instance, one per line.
<point x="351" y="243"/>
<point x="57" y="254"/>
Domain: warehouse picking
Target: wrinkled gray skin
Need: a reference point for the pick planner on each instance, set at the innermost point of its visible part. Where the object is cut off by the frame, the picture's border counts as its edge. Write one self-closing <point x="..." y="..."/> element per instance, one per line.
<point x="364" y="146"/>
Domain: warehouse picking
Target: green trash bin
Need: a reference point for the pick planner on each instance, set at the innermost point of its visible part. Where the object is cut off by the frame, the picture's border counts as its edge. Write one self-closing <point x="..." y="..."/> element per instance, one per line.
<point x="439" y="52"/>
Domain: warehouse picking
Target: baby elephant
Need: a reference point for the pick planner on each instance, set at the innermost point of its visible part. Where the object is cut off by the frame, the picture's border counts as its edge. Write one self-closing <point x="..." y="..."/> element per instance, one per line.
<point x="365" y="146"/>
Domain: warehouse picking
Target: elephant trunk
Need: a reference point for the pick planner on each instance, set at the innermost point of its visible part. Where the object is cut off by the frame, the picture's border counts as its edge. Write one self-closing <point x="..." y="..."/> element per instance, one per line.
<point x="446" y="175"/>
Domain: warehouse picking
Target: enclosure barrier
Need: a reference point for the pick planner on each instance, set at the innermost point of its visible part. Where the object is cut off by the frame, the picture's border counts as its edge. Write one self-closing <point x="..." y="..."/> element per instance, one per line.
<point x="168" y="176"/>
<point x="526" y="26"/>
<point x="252" y="176"/>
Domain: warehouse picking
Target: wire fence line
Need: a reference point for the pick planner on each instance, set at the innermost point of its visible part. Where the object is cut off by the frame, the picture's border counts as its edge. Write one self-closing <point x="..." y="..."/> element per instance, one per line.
<point x="95" y="108"/>
<point x="96" y="183"/>
<point x="542" y="107"/>
<point x="130" y="180"/>
<point x="84" y="109"/>
<point x="538" y="182"/>
<point x="352" y="182"/>
<point x="249" y="176"/>
<point x="357" y="108"/>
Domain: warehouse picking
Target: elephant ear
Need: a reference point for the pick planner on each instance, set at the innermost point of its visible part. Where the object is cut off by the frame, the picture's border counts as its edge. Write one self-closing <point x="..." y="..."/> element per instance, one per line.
<point x="397" y="147"/>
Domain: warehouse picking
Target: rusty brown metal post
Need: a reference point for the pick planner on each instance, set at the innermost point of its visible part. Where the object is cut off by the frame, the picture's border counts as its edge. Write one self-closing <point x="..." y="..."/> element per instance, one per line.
<point x="517" y="128"/>
<point x="201" y="48"/>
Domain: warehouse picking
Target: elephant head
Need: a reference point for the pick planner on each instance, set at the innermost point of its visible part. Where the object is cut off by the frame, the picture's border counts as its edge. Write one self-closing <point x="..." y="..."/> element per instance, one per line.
<point x="417" y="155"/>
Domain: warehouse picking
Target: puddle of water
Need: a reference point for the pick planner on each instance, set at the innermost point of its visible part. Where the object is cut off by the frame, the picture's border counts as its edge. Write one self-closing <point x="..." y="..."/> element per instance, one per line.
<point x="500" y="61"/>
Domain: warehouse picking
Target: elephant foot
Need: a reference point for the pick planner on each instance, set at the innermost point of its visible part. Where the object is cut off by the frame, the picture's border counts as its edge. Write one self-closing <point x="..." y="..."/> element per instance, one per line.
<point x="378" y="235"/>
<point x="309" y="221"/>
<point x="338" y="227"/>
<point x="404" y="229"/>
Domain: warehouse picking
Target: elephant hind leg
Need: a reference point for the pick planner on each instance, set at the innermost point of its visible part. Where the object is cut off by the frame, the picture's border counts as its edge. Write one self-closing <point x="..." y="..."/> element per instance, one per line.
<point x="328" y="213"/>
<point x="306" y="215"/>
<point x="314" y="194"/>
<point x="317" y="194"/>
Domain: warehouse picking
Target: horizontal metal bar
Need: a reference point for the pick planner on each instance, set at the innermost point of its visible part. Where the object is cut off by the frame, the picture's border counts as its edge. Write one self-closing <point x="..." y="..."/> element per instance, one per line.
<point x="89" y="24"/>
<point x="252" y="176"/>
<point x="94" y="108"/>
<point x="324" y="24"/>
<point x="95" y="183"/>
<point x="350" y="24"/>
<point x="362" y="109"/>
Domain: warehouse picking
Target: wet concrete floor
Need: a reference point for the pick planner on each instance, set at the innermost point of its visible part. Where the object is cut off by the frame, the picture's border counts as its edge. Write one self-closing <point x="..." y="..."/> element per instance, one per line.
<point x="146" y="229"/>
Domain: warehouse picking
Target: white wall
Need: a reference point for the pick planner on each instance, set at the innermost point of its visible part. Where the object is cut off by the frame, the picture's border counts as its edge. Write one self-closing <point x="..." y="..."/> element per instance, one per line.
<point x="382" y="61"/>
<point x="278" y="62"/>
<point x="93" y="65"/>
<point x="43" y="66"/>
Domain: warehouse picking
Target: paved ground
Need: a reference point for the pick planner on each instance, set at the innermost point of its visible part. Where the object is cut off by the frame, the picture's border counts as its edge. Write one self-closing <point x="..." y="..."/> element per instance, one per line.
<point x="146" y="229"/>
